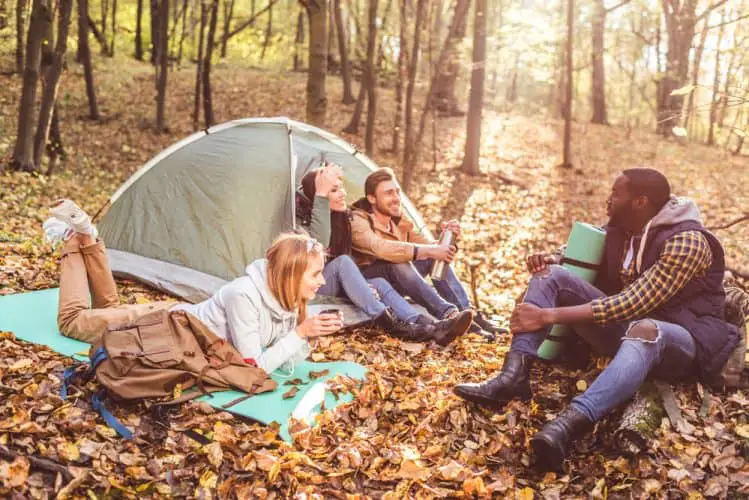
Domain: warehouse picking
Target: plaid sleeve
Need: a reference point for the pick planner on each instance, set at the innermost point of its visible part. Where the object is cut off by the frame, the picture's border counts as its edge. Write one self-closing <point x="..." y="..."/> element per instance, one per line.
<point x="684" y="256"/>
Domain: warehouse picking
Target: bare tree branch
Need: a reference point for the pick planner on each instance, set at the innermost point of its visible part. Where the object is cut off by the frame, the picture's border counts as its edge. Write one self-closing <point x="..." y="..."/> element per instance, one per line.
<point x="730" y="21"/>
<point x="253" y="18"/>
<point x="620" y="4"/>
<point x="741" y="219"/>
<point x="709" y="9"/>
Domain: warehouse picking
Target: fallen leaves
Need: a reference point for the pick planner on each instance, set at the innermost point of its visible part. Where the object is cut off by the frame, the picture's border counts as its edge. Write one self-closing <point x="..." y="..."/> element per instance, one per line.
<point x="405" y="434"/>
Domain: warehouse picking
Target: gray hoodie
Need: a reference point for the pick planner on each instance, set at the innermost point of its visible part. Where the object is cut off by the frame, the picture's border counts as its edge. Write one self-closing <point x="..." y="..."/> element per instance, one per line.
<point x="678" y="209"/>
<point x="246" y="313"/>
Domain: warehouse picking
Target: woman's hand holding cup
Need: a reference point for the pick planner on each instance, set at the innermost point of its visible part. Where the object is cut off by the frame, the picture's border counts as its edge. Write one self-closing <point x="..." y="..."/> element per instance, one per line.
<point x="325" y="323"/>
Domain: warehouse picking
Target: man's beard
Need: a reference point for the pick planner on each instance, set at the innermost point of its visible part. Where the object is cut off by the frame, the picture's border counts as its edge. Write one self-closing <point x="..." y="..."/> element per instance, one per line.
<point x="387" y="210"/>
<point x="618" y="217"/>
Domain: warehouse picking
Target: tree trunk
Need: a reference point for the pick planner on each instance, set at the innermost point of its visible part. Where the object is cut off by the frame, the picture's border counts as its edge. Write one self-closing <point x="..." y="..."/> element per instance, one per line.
<point x="52" y="80"/>
<point x="698" y="51"/>
<point x="139" y="31"/>
<point x="726" y="87"/>
<point x="598" y="84"/>
<point x="330" y="50"/>
<point x="715" y="100"/>
<point x="55" y="148"/>
<point x="199" y="71"/>
<point x="317" y="100"/>
<point x="85" y="49"/>
<point x="114" y="27"/>
<point x="268" y="32"/>
<point x="209" y="44"/>
<point x="299" y="41"/>
<point x="21" y="8"/>
<point x="680" y="25"/>
<point x="476" y="101"/>
<point x="104" y="4"/>
<point x="371" y="79"/>
<point x="353" y="125"/>
<point x="400" y="73"/>
<point x="446" y="101"/>
<point x="163" y="66"/>
<point x="155" y="44"/>
<point x="23" y="153"/>
<point x="183" y="35"/>
<point x="348" y="96"/>
<point x="566" y="159"/>
<point x="413" y="66"/>
<point x="228" y="14"/>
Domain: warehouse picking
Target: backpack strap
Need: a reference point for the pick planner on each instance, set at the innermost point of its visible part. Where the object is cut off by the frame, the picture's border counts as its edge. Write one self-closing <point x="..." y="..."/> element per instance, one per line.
<point x="97" y="403"/>
<point x="70" y="374"/>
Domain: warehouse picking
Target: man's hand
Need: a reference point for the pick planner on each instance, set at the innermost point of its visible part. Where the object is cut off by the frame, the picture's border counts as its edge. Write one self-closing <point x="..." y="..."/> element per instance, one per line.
<point x="327" y="179"/>
<point x="438" y="252"/>
<point x="528" y="318"/>
<point x="454" y="226"/>
<point x="540" y="261"/>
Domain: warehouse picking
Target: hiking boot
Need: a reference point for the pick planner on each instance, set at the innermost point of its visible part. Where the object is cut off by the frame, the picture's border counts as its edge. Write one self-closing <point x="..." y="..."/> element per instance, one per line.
<point x="481" y="320"/>
<point x="550" y="443"/>
<point x="475" y="328"/>
<point x="512" y="382"/>
<point x="411" y="332"/>
<point x="73" y="215"/>
<point x="447" y="330"/>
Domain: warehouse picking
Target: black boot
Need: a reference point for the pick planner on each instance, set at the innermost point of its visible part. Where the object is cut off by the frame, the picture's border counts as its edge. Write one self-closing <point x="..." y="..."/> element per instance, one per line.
<point x="550" y="443"/>
<point x="487" y="325"/>
<point x="512" y="382"/>
<point x="447" y="330"/>
<point x="410" y="332"/>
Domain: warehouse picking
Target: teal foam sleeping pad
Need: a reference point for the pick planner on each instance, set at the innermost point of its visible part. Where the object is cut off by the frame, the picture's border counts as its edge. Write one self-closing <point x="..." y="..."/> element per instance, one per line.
<point x="585" y="247"/>
<point x="32" y="317"/>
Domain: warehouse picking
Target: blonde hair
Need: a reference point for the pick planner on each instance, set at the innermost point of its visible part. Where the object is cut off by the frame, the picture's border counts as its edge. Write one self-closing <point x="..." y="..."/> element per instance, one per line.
<point x="288" y="258"/>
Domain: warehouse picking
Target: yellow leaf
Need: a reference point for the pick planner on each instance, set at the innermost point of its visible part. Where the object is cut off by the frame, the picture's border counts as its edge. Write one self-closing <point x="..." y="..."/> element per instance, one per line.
<point x="68" y="451"/>
<point x="686" y="89"/>
<point x="742" y="430"/>
<point x="581" y="385"/>
<point x="21" y="364"/>
<point x="526" y="494"/>
<point x="274" y="471"/>
<point x="209" y="479"/>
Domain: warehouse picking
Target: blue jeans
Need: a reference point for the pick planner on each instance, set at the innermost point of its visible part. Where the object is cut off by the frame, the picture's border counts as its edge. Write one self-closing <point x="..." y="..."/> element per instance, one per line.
<point x="450" y="288"/>
<point x="408" y="280"/>
<point x="343" y="279"/>
<point x="670" y="355"/>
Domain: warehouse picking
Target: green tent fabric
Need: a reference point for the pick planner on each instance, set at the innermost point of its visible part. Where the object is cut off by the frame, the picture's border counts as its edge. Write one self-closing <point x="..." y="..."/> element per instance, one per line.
<point x="201" y="210"/>
<point x="32" y="317"/>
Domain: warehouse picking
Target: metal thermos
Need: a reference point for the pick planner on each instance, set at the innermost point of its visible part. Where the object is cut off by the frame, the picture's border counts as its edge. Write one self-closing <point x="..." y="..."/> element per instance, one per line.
<point x="439" y="267"/>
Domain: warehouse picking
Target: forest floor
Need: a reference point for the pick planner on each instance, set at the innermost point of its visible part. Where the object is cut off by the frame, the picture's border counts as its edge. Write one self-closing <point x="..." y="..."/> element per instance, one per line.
<point x="405" y="434"/>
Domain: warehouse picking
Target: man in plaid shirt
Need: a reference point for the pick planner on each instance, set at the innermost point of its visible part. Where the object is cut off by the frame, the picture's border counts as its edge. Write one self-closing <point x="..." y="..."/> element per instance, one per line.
<point x="656" y="308"/>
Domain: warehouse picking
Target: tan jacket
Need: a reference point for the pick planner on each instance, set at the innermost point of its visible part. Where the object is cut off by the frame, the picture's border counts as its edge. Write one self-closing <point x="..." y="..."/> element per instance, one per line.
<point x="372" y="241"/>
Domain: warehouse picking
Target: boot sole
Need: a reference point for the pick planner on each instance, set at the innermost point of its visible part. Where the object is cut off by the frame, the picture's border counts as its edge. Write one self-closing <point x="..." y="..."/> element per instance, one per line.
<point x="492" y="404"/>
<point x="458" y="329"/>
<point x="549" y="456"/>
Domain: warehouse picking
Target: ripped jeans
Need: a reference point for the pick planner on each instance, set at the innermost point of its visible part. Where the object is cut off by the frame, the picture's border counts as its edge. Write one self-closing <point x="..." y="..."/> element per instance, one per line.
<point x="638" y="348"/>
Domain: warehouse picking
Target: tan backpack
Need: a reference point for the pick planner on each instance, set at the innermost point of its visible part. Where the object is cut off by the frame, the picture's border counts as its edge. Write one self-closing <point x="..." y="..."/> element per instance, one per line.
<point x="165" y="355"/>
<point x="737" y="313"/>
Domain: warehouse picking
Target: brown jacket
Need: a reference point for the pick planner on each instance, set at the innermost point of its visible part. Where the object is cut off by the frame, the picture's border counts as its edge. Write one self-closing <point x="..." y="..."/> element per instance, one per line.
<point x="372" y="241"/>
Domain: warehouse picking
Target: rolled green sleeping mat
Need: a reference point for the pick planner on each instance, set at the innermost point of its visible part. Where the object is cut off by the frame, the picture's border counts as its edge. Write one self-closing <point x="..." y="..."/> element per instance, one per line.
<point x="581" y="257"/>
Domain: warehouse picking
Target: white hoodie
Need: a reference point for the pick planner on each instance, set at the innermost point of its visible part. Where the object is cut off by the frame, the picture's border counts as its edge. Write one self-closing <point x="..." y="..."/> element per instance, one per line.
<point x="246" y="313"/>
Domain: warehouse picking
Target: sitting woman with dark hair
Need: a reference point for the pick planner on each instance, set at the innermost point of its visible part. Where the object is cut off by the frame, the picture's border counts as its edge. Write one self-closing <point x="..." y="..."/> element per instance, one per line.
<point x="321" y="210"/>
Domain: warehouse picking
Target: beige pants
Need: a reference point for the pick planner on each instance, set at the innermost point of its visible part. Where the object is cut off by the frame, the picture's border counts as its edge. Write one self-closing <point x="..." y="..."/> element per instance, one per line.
<point x="85" y="272"/>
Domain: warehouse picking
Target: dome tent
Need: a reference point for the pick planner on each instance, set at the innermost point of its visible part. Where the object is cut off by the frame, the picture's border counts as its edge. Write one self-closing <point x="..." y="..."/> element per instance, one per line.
<point x="197" y="213"/>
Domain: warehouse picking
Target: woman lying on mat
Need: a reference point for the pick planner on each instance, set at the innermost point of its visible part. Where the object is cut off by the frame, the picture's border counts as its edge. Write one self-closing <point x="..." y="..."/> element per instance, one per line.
<point x="321" y="209"/>
<point x="263" y="314"/>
